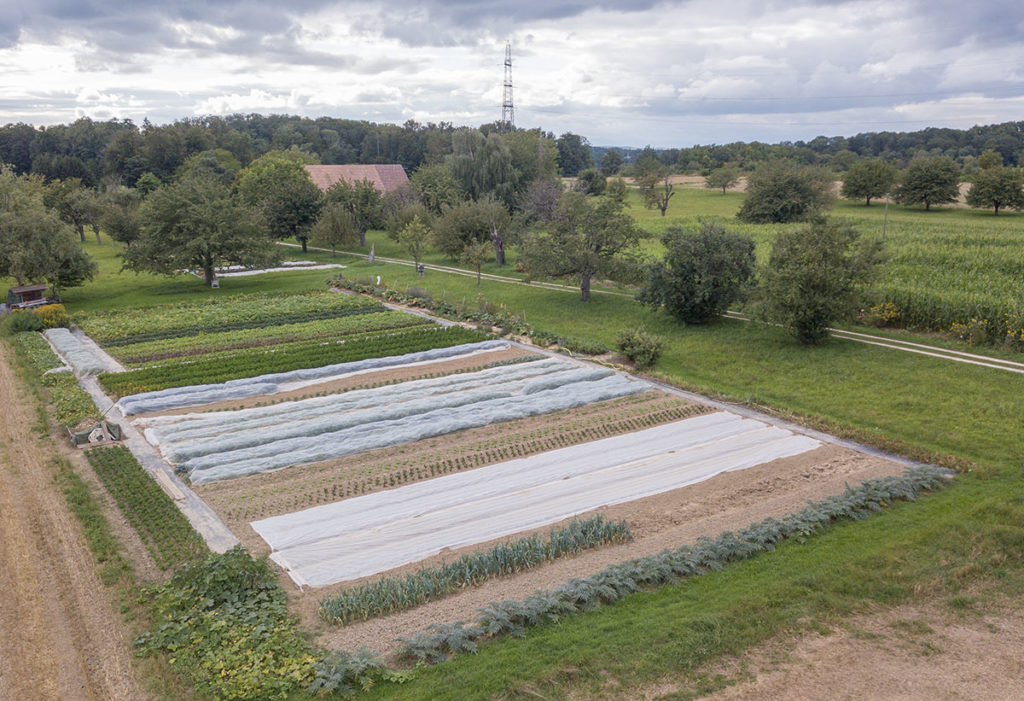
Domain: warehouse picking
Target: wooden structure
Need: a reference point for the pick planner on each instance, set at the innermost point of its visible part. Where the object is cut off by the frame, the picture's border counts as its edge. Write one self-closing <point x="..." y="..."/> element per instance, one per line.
<point x="385" y="178"/>
<point x="27" y="296"/>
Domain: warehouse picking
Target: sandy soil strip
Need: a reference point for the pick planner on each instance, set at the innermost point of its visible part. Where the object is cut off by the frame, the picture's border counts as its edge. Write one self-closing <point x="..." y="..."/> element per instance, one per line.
<point x="59" y="635"/>
<point x="727" y="502"/>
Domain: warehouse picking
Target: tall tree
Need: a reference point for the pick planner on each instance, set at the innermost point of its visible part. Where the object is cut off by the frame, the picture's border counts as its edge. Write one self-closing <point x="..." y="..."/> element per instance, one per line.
<point x="583" y="240"/>
<point x="867" y="179"/>
<point x="997" y="187"/>
<point x="934" y="180"/>
<point x="473" y="222"/>
<point x="74" y="203"/>
<point x="196" y="223"/>
<point x="573" y="154"/>
<point x="35" y="245"/>
<point x="436" y="186"/>
<point x="278" y="185"/>
<point x="611" y="162"/>
<point x="482" y="165"/>
<point x="119" y="214"/>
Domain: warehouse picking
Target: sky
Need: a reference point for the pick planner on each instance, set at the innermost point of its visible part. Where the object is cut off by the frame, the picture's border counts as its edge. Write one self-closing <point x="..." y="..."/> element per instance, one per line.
<point x="619" y="72"/>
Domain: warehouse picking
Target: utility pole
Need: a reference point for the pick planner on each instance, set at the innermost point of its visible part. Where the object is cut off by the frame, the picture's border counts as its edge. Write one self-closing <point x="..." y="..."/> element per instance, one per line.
<point x="508" y="119"/>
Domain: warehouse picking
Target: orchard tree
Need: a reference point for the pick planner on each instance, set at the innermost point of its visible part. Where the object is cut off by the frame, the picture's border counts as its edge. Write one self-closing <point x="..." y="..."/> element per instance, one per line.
<point x="473" y="222"/>
<point x="814" y="277"/>
<point x="722" y="178"/>
<point x="867" y="179"/>
<point x="279" y="187"/>
<point x="702" y="273"/>
<point x="335" y="227"/>
<point x="362" y="200"/>
<point x="197" y="223"/>
<point x="781" y="191"/>
<point x="475" y="255"/>
<point x="583" y="240"/>
<point x="997" y="187"/>
<point x="656" y="190"/>
<point x="74" y="203"/>
<point x="933" y="180"/>
<point x="436" y="186"/>
<point x="414" y="238"/>
<point x="590" y="181"/>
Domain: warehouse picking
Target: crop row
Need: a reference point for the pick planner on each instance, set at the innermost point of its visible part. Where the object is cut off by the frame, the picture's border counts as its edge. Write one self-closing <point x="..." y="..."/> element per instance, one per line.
<point x="222" y="341"/>
<point x="71" y="404"/>
<point x="256" y="362"/>
<point x="576" y="595"/>
<point x="390" y="594"/>
<point x="163" y="529"/>
<point x="229" y="313"/>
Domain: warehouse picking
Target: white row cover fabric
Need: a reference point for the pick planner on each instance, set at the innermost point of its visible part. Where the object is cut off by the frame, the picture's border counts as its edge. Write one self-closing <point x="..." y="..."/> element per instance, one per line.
<point x="377" y="430"/>
<point x="197" y="395"/>
<point x="75" y="353"/>
<point x="184" y="437"/>
<point x="369" y="534"/>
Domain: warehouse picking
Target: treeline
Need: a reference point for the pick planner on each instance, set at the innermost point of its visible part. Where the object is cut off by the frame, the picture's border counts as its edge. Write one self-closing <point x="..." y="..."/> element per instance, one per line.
<point x="964" y="146"/>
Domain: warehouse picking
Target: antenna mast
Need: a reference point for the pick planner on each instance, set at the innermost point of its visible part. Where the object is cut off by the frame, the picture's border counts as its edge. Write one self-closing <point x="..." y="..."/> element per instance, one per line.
<point x="508" y="119"/>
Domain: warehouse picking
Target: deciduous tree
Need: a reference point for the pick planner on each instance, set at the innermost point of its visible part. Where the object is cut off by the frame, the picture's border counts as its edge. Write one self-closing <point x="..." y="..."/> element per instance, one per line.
<point x="196" y="223"/>
<point x="702" y="273"/>
<point x="997" y="187"/>
<point x="722" y="178"/>
<point x="582" y="240"/>
<point x="814" y="276"/>
<point x="934" y="180"/>
<point x="279" y="187"/>
<point x="782" y="192"/>
<point x="867" y="179"/>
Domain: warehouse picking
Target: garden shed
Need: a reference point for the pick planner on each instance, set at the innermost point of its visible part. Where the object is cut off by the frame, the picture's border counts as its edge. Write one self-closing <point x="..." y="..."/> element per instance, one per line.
<point x="25" y="296"/>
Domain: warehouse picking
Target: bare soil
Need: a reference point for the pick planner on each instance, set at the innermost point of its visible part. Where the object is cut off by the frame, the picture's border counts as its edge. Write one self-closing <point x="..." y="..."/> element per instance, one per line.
<point x="727" y="502"/>
<point x="60" y="637"/>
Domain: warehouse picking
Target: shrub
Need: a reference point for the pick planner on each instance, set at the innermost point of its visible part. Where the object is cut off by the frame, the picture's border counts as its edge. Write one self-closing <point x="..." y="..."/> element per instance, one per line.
<point x="20" y="321"/>
<point x="54" y="316"/>
<point x="703" y="272"/>
<point x="641" y="347"/>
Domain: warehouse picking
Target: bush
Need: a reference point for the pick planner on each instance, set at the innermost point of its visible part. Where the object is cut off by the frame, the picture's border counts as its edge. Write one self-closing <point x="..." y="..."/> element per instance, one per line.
<point x="19" y="321"/>
<point x="54" y="316"/>
<point x="641" y="347"/>
<point x="703" y="272"/>
<point x="813" y="278"/>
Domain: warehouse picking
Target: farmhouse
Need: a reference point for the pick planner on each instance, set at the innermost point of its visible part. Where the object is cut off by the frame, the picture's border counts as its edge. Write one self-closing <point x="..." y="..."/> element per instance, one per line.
<point x="385" y="178"/>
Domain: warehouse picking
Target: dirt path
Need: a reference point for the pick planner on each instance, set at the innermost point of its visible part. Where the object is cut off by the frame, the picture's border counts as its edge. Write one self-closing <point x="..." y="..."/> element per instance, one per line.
<point x="60" y="637"/>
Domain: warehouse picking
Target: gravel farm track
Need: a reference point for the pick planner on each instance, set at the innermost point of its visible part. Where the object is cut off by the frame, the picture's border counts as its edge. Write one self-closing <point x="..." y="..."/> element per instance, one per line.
<point x="60" y="635"/>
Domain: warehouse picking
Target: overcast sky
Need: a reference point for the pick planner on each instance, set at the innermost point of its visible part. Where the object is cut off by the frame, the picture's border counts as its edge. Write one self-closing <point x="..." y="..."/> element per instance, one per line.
<point x="618" y="72"/>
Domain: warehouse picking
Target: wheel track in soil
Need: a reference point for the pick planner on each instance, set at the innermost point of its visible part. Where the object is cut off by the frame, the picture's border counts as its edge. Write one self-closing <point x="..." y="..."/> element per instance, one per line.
<point x="61" y="637"/>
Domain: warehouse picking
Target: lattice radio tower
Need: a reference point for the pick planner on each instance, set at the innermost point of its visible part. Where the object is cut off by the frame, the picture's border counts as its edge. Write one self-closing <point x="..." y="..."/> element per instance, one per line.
<point x="508" y="116"/>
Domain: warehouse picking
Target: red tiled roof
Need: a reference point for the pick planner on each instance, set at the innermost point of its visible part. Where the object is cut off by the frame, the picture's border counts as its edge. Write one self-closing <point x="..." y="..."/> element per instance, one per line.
<point x="384" y="177"/>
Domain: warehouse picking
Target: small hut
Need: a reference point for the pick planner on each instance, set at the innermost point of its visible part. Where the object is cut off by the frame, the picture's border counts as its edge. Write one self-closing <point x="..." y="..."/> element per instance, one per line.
<point x="27" y="296"/>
